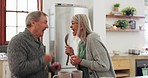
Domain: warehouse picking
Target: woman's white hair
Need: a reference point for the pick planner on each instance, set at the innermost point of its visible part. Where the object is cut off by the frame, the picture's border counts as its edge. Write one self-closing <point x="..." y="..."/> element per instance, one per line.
<point x="83" y="21"/>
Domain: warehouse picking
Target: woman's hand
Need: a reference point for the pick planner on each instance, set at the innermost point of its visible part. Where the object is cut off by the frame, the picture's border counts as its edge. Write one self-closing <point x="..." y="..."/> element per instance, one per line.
<point x="75" y="60"/>
<point x="69" y="50"/>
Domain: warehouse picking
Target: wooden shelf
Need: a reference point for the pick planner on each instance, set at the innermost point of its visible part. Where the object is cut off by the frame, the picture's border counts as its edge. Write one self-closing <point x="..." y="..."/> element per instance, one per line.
<point x="123" y="16"/>
<point x="122" y="75"/>
<point x="123" y="30"/>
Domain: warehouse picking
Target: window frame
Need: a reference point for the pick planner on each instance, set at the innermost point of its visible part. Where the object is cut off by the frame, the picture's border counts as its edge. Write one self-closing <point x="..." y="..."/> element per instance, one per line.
<point x="2" y="22"/>
<point x="3" y="19"/>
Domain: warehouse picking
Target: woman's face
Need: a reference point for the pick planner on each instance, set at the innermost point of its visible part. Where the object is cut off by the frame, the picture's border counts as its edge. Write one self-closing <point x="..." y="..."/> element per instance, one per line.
<point x="74" y="27"/>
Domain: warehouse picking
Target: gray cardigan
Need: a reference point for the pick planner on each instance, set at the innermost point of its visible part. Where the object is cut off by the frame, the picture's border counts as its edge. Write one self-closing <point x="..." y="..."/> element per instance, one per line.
<point x="98" y="59"/>
<point x="25" y="57"/>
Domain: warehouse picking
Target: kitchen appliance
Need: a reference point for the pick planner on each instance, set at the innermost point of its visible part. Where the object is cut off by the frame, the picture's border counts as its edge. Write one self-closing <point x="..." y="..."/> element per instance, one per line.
<point x="140" y="64"/>
<point x="59" y="25"/>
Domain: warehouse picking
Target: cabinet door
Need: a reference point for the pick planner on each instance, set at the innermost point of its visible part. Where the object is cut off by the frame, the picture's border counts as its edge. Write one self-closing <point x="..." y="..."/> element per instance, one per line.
<point x="121" y="64"/>
<point x="6" y="70"/>
<point x="1" y="68"/>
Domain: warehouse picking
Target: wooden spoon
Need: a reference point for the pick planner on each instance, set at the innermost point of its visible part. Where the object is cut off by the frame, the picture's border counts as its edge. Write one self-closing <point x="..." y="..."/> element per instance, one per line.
<point x="66" y="38"/>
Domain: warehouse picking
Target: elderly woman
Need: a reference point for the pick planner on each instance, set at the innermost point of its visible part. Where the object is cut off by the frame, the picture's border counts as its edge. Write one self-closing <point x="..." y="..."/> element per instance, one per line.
<point x="92" y="56"/>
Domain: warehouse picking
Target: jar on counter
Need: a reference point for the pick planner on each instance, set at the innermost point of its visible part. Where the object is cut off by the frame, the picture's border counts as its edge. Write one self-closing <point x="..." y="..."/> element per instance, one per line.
<point x="134" y="51"/>
<point x="130" y="51"/>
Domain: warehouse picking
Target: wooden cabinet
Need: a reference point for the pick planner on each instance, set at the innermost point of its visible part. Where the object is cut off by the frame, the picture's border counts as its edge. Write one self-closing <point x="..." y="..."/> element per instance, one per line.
<point x="121" y="64"/>
<point x="4" y="69"/>
<point x="125" y="64"/>
<point x="1" y="69"/>
<point x="121" y="67"/>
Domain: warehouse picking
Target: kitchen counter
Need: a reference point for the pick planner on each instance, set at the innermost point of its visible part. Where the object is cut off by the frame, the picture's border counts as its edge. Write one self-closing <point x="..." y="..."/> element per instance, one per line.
<point x="132" y="59"/>
<point x="138" y="77"/>
<point x="128" y="56"/>
<point x="3" y="56"/>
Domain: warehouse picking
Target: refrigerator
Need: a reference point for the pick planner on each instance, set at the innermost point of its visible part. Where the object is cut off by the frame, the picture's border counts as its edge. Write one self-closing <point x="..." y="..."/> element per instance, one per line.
<point x="59" y="25"/>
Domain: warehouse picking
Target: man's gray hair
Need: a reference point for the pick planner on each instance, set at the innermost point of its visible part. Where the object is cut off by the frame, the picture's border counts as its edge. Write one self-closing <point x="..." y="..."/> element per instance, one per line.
<point x="35" y="15"/>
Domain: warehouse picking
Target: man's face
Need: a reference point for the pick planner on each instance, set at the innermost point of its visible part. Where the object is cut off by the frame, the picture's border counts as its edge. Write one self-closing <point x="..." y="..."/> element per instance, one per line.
<point x="40" y="26"/>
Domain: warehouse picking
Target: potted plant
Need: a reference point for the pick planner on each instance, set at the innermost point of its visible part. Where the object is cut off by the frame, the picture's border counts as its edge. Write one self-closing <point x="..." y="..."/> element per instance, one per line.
<point x="123" y="24"/>
<point x="116" y="6"/>
<point x="129" y="11"/>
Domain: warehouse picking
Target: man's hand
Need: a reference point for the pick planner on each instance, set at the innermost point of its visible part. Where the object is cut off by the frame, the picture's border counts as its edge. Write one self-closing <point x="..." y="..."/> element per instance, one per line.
<point x="47" y="58"/>
<point x="55" y="67"/>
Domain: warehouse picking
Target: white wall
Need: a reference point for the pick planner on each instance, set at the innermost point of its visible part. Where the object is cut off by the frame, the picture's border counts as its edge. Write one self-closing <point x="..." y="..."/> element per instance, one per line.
<point x="121" y="41"/>
<point x="99" y="18"/>
<point x="47" y="4"/>
<point x="138" y="4"/>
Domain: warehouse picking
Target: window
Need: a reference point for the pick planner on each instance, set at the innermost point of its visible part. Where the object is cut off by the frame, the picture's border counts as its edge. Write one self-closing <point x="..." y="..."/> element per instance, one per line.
<point x="15" y="12"/>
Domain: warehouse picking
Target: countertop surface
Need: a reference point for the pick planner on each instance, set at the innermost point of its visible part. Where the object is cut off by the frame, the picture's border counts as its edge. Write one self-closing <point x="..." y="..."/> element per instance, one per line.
<point x="3" y="56"/>
<point x="129" y="77"/>
<point x="128" y="56"/>
<point x="138" y="77"/>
